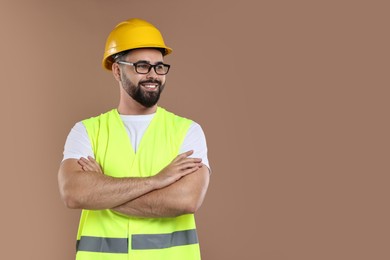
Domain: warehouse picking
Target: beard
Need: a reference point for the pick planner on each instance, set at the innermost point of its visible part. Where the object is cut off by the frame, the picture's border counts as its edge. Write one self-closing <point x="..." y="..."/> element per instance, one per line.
<point x="145" y="98"/>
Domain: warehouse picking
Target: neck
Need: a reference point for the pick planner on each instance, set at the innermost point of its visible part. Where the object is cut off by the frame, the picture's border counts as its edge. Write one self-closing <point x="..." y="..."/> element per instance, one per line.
<point x="136" y="110"/>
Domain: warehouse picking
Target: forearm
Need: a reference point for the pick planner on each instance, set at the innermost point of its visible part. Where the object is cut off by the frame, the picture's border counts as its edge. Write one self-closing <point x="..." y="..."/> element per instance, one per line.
<point x="93" y="190"/>
<point x="158" y="203"/>
<point x="83" y="185"/>
<point x="182" y="197"/>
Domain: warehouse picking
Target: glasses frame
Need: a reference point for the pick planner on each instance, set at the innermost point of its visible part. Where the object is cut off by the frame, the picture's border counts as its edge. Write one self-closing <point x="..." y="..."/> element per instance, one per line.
<point x="134" y="64"/>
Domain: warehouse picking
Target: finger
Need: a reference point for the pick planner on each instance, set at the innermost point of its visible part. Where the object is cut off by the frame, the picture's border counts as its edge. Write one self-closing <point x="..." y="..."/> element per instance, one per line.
<point x="82" y="161"/>
<point x="189" y="165"/>
<point x="97" y="168"/>
<point x="90" y="158"/>
<point x="189" y="160"/>
<point x="93" y="163"/>
<point x="84" y="168"/>
<point x="89" y="168"/>
<point x="189" y="171"/>
<point x="87" y="165"/>
<point x="183" y="155"/>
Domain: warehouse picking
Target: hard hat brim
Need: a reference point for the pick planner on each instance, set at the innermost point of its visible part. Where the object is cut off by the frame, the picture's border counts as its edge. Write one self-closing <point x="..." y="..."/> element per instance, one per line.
<point x="108" y="60"/>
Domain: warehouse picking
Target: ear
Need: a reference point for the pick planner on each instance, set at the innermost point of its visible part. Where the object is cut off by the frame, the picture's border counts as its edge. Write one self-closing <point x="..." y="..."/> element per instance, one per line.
<point x="116" y="71"/>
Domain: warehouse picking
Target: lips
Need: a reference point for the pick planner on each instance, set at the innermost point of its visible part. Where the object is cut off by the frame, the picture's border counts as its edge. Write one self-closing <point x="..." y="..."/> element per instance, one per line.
<point x="150" y="85"/>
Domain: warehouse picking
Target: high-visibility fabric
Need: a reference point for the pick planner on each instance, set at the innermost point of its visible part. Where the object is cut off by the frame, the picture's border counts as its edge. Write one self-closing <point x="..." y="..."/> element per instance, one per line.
<point x="107" y="235"/>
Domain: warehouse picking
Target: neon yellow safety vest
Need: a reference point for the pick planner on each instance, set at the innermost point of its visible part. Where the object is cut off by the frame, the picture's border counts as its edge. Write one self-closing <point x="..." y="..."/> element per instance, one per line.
<point x="107" y="235"/>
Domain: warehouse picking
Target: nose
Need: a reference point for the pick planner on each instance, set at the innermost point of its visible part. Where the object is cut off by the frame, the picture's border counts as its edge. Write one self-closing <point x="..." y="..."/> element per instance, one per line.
<point x="152" y="74"/>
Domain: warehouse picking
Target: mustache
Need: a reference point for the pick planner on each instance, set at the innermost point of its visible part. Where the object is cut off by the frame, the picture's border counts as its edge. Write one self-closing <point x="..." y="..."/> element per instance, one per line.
<point x="156" y="81"/>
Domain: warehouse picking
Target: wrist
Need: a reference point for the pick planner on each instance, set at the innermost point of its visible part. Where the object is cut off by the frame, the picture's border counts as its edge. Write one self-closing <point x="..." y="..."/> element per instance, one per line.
<point x="152" y="182"/>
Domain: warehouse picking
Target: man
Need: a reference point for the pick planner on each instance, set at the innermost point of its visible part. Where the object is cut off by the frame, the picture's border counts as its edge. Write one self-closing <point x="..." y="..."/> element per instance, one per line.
<point x="138" y="172"/>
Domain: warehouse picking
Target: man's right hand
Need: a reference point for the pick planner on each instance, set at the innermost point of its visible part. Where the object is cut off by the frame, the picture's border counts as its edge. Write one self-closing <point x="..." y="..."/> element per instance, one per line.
<point x="179" y="167"/>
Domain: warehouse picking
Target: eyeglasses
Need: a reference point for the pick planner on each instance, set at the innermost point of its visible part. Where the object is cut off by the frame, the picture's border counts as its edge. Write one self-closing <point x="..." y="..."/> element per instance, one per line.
<point x="142" y="67"/>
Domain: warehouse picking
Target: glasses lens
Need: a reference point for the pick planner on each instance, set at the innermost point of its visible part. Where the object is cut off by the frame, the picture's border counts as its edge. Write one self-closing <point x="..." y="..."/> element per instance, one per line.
<point x="162" y="69"/>
<point x="142" y="68"/>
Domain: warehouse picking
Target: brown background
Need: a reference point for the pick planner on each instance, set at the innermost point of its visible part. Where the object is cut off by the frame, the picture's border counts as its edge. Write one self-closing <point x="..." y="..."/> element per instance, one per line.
<point x="293" y="97"/>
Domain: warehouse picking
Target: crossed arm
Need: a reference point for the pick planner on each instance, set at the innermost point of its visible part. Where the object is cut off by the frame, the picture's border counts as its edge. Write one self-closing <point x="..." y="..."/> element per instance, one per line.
<point x="177" y="189"/>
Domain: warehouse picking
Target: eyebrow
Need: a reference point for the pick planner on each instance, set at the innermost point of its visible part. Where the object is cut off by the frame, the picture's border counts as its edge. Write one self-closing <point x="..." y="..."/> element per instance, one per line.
<point x="158" y="62"/>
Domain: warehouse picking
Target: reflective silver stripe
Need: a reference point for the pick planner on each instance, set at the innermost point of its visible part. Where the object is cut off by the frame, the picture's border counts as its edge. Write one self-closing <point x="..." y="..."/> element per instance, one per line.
<point x="158" y="241"/>
<point x="103" y="244"/>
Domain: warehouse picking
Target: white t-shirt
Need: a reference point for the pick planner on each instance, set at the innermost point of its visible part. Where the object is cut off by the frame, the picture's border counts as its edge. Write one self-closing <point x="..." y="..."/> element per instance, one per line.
<point x="78" y="145"/>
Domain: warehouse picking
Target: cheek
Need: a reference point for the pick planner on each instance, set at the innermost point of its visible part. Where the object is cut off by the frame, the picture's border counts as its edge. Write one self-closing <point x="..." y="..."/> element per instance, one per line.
<point x="163" y="79"/>
<point x="134" y="80"/>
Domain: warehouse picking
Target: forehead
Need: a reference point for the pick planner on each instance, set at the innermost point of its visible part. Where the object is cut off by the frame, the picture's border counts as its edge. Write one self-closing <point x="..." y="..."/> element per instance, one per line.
<point x="151" y="55"/>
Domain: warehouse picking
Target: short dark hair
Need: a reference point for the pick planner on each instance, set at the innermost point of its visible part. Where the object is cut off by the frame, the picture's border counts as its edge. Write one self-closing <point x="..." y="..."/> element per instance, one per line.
<point x="118" y="56"/>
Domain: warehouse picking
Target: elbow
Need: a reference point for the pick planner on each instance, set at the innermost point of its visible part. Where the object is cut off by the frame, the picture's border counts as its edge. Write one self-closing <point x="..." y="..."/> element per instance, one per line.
<point x="196" y="196"/>
<point x="71" y="202"/>
<point x="72" y="186"/>
<point x="192" y="205"/>
<point x="190" y="210"/>
<point x="70" y="198"/>
<point x="194" y="201"/>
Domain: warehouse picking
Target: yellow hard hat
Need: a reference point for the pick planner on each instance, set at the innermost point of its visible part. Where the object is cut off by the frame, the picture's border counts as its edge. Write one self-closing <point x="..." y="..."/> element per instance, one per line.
<point x="132" y="34"/>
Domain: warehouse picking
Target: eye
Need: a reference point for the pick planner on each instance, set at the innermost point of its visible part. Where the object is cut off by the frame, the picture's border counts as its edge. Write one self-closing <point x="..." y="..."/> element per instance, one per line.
<point x="143" y="66"/>
<point x="160" y="67"/>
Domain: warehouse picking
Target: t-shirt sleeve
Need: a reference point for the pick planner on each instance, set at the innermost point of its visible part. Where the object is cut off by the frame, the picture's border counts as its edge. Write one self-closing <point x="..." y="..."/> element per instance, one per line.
<point x="77" y="143"/>
<point x="196" y="140"/>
